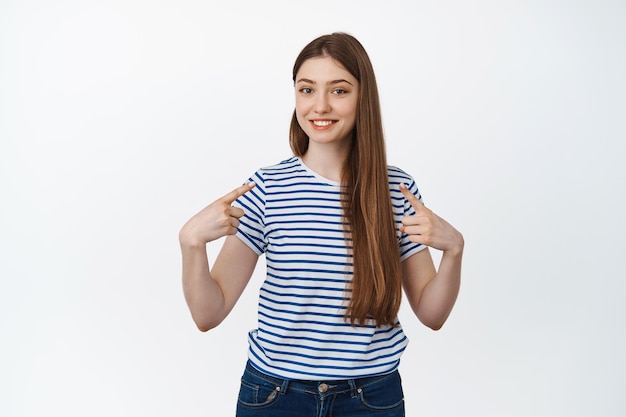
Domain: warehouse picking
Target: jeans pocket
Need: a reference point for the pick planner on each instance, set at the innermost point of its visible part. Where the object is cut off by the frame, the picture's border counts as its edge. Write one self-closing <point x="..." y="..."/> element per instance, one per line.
<point x="383" y="394"/>
<point x="256" y="392"/>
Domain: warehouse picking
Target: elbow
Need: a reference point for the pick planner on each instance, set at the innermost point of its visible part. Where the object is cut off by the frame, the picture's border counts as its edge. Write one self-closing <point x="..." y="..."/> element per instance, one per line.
<point x="205" y="319"/>
<point x="434" y="320"/>
<point x="206" y="325"/>
<point x="433" y="323"/>
<point x="204" y="328"/>
<point x="435" y="326"/>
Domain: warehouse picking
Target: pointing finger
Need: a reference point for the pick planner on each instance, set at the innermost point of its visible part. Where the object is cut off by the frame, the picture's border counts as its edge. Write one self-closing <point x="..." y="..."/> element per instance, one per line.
<point x="238" y="192"/>
<point x="415" y="202"/>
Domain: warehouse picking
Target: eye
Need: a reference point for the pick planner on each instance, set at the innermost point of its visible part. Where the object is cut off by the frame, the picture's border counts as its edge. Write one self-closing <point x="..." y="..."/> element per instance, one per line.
<point x="306" y="90"/>
<point x="339" y="91"/>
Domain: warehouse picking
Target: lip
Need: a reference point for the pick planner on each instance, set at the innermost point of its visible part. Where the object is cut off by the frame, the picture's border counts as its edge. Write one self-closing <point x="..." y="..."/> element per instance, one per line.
<point x="325" y="126"/>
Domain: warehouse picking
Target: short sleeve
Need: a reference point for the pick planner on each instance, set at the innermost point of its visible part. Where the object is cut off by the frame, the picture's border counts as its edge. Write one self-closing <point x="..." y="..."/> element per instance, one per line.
<point x="251" y="230"/>
<point x="402" y="207"/>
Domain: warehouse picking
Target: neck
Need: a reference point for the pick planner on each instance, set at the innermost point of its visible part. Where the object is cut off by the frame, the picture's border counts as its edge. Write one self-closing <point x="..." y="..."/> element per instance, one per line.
<point x="327" y="160"/>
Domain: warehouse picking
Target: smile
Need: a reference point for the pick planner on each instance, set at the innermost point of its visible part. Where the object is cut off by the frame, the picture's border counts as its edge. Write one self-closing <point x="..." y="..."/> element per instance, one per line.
<point x="322" y="123"/>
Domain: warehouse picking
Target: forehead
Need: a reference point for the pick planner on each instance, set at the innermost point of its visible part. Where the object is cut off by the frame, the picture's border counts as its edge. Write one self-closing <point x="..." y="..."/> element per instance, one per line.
<point x="324" y="69"/>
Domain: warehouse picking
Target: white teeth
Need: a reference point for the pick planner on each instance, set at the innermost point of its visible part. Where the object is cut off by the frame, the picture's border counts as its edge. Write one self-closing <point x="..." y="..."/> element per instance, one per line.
<point x="322" y="122"/>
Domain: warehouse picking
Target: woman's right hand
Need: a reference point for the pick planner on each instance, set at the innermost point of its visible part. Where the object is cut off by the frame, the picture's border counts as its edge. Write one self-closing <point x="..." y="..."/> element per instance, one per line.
<point x="216" y="220"/>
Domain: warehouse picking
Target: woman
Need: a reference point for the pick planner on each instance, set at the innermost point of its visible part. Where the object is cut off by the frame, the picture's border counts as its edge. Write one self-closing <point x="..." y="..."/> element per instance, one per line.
<point x="343" y="235"/>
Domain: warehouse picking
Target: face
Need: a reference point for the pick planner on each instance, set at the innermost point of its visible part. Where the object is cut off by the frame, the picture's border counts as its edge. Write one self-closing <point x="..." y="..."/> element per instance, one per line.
<point x="326" y="101"/>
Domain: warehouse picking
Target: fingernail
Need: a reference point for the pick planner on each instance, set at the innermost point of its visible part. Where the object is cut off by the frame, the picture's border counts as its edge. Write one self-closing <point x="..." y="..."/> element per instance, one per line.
<point x="251" y="184"/>
<point x="403" y="185"/>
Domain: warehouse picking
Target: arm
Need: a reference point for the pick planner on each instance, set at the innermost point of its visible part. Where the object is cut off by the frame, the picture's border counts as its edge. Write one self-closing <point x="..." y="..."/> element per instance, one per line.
<point x="212" y="294"/>
<point x="431" y="293"/>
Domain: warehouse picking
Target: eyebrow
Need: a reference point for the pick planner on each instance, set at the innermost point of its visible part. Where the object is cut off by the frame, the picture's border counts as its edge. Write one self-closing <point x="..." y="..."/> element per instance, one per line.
<point x="306" y="80"/>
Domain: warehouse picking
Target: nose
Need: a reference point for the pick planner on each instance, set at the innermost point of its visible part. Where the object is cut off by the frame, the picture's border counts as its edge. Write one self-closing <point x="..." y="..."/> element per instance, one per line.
<point x="322" y="104"/>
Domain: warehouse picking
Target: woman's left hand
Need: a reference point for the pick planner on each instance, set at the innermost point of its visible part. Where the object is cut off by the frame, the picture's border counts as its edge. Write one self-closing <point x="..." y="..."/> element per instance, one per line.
<point x="427" y="228"/>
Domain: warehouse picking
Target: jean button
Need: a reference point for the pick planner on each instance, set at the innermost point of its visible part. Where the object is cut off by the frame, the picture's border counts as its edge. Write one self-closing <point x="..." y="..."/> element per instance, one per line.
<point x="322" y="388"/>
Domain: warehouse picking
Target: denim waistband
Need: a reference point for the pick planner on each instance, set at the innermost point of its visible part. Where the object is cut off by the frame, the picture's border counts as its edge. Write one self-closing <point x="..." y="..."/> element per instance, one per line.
<point x="329" y="386"/>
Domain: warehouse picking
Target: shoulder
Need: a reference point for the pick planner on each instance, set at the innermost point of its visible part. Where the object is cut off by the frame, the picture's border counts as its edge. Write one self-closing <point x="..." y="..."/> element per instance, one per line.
<point x="283" y="167"/>
<point x="397" y="175"/>
<point x="280" y="169"/>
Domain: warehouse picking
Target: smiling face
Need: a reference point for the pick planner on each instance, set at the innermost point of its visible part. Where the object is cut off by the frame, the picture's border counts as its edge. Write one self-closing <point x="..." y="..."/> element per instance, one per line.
<point x="326" y="101"/>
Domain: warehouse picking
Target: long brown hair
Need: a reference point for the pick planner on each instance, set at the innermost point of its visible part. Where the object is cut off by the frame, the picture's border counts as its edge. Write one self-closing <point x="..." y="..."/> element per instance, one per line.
<point x="377" y="278"/>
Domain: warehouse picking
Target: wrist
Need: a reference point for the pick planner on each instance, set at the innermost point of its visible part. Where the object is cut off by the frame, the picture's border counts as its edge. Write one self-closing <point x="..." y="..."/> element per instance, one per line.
<point x="190" y="246"/>
<point x="457" y="249"/>
<point x="189" y="242"/>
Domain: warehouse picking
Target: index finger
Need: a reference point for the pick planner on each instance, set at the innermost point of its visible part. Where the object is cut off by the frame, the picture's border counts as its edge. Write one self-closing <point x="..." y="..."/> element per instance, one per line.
<point x="415" y="202"/>
<point x="238" y="192"/>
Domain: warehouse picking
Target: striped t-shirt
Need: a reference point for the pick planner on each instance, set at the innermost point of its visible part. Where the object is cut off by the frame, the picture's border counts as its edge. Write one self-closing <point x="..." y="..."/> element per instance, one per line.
<point x="294" y="217"/>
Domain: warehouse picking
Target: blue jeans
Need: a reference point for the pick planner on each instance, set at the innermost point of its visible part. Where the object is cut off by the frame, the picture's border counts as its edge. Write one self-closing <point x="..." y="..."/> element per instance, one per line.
<point x="262" y="395"/>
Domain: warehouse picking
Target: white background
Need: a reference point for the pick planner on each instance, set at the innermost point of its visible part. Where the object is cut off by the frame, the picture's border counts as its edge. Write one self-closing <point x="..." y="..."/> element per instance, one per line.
<point x="121" y="119"/>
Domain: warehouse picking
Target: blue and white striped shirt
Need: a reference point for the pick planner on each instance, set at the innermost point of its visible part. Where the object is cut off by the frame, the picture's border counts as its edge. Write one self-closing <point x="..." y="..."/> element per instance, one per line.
<point x="294" y="217"/>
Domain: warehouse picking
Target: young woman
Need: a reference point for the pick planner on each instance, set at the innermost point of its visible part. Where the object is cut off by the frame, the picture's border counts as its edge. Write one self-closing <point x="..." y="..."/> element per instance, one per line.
<point x="343" y="234"/>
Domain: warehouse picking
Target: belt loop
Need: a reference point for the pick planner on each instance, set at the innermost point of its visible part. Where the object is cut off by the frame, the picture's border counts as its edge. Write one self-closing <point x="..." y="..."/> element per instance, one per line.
<point x="353" y="388"/>
<point x="284" y="386"/>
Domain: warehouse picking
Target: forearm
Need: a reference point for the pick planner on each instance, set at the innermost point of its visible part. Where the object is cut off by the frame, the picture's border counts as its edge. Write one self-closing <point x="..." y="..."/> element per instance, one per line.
<point x="204" y="297"/>
<point x="440" y="294"/>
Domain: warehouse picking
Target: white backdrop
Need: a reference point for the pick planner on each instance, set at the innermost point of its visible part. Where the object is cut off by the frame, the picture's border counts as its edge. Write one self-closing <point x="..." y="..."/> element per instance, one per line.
<point x="121" y="119"/>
